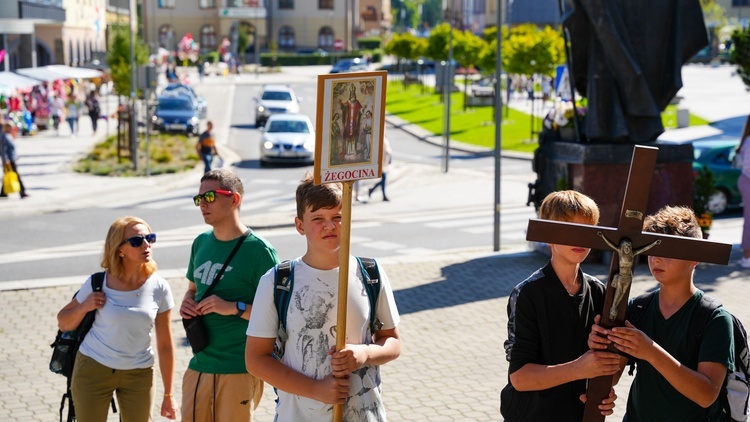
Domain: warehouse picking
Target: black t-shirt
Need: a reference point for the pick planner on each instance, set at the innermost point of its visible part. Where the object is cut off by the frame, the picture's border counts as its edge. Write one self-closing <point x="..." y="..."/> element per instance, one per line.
<point x="547" y="326"/>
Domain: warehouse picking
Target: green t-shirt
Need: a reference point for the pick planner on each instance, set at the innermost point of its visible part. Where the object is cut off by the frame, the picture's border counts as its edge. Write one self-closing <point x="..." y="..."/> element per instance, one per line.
<point x="652" y="397"/>
<point x="225" y="353"/>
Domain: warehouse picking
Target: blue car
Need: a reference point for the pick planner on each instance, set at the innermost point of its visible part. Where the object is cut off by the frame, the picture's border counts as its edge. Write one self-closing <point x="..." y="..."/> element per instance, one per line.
<point x="176" y="114"/>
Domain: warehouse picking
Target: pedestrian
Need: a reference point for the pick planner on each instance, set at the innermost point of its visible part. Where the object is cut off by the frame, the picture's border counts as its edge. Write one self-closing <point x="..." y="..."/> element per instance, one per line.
<point x="9" y="156"/>
<point x="94" y="109"/>
<point x="216" y="385"/>
<point x="72" y="113"/>
<point x="57" y="110"/>
<point x="674" y="380"/>
<point x="206" y="147"/>
<point x="116" y="356"/>
<point x="386" y="162"/>
<point x="743" y="183"/>
<point x="550" y="315"/>
<point x="311" y="375"/>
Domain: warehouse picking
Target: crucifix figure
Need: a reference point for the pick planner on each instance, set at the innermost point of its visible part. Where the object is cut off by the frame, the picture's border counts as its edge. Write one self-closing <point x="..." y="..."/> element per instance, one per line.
<point x="622" y="280"/>
<point x="626" y="238"/>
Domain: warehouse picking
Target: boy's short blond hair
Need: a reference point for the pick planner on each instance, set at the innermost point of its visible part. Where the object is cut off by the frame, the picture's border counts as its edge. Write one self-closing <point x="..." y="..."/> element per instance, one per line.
<point x="315" y="197"/>
<point x="566" y="205"/>
<point x="676" y="221"/>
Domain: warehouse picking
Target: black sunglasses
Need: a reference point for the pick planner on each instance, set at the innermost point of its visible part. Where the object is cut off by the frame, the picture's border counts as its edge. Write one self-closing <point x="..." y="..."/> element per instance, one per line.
<point x="210" y="196"/>
<point x="137" y="241"/>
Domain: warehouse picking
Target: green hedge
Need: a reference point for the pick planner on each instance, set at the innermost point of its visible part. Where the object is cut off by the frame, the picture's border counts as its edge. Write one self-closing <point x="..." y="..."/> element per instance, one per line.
<point x="371" y="43"/>
<point x="294" y="59"/>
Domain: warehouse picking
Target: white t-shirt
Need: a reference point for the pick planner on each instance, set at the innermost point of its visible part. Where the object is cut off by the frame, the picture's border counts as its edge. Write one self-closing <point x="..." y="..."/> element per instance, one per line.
<point x="311" y="322"/>
<point x="121" y="335"/>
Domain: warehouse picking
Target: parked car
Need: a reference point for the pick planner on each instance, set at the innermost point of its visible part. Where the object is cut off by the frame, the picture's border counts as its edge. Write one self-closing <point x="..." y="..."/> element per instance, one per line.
<point x="288" y="138"/>
<point x="349" y="65"/>
<point x="275" y="99"/>
<point x="182" y="89"/>
<point x="718" y="155"/>
<point x="175" y="113"/>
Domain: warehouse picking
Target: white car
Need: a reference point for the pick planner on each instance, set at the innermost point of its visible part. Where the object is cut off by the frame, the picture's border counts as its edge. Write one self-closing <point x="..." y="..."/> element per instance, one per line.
<point x="273" y="100"/>
<point x="288" y="138"/>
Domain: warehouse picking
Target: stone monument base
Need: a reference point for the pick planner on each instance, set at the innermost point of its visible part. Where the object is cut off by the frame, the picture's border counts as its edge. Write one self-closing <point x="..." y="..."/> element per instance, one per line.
<point x="601" y="172"/>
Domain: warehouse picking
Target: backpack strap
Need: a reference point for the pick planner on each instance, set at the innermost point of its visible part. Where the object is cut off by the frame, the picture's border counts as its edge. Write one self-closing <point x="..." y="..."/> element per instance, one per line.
<point x="636" y="310"/>
<point x="699" y="321"/>
<point x="282" y="293"/>
<point x="371" y="282"/>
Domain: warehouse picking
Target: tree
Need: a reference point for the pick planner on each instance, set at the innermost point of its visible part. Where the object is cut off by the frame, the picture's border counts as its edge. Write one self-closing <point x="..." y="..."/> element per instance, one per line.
<point x="530" y="50"/>
<point x="437" y="43"/>
<point x="243" y="42"/>
<point x="740" y="55"/>
<point x="118" y="58"/>
<point x="467" y="52"/>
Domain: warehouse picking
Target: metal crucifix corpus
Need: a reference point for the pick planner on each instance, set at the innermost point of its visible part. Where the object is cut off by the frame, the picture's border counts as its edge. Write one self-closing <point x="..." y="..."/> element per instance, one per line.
<point x="627" y="240"/>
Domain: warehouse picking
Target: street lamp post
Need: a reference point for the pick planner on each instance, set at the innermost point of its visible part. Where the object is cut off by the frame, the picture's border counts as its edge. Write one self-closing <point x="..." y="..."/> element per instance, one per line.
<point x="133" y="128"/>
<point x="498" y="128"/>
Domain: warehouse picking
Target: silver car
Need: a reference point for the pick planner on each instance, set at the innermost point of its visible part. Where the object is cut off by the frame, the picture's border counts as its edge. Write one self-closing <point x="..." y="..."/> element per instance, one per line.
<point x="275" y="99"/>
<point x="288" y="138"/>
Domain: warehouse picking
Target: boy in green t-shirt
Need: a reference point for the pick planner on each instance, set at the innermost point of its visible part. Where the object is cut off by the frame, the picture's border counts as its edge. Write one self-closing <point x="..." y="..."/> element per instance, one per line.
<point x="673" y="382"/>
<point x="216" y="385"/>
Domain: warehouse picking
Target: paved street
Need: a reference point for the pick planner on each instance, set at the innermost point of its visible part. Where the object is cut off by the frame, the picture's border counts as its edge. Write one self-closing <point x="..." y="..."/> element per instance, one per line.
<point x="452" y="304"/>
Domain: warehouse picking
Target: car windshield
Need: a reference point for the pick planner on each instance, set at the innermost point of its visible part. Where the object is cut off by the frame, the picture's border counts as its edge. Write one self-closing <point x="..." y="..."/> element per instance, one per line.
<point x="277" y="96"/>
<point x="174" y="104"/>
<point x="287" y="126"/>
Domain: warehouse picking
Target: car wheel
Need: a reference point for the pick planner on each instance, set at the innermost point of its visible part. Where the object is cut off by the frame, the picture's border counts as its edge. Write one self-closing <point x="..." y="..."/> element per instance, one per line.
<point x="718" y="202"/>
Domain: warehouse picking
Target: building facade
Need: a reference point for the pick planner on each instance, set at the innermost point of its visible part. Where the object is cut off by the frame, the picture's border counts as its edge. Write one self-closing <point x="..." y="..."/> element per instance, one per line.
<point x="44" y="32"/>
<point x="289" y="25"/>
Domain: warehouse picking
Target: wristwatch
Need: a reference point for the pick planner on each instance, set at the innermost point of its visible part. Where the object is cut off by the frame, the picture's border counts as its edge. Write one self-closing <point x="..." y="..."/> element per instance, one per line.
<point x="241" y="306"/>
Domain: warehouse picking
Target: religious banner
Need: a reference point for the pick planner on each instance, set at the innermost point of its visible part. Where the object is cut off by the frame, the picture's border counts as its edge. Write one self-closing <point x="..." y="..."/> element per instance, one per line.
<point x="349" y="126"/>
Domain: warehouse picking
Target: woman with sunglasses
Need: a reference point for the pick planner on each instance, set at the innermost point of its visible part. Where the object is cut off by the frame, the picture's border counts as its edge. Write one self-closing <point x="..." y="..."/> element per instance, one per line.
<point x="116" y="355"/>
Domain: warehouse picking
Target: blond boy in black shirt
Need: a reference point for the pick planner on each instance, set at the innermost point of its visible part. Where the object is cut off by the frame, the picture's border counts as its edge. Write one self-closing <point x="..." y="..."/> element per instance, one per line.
<point x="550" y="315"/>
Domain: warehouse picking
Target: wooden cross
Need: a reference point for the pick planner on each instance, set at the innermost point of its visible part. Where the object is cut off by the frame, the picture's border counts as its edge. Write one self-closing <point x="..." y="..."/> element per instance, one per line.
<point x="628" y="240"/>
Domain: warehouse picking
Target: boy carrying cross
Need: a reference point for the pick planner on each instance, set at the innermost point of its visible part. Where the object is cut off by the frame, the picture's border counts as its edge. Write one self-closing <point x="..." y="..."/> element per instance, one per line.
<point x="550" y="315"/>
<point x="673" y="382"/>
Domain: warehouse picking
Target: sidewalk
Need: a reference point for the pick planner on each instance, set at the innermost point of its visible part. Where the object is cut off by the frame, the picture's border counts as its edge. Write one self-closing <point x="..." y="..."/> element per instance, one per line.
<point x="452" y="305"/>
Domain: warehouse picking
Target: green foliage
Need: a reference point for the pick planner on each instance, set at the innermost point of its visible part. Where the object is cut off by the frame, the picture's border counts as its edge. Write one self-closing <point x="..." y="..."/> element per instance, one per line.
<point x="118" y="58"/>
<point x="705" y="186"/>
<point x="168" y="154"/>
<point x="530" y="50"/>
<point x="370" y="43"/>
<point x="437" y="43"/>
<point x="740" y="55"/>
<point x="243" y="41"/>
<point x="468" y="49"/>
<point x="403" y="46"/>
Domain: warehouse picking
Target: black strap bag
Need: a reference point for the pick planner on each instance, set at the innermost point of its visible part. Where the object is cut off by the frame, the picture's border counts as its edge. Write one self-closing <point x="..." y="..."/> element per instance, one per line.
<point x="195" y="329"/>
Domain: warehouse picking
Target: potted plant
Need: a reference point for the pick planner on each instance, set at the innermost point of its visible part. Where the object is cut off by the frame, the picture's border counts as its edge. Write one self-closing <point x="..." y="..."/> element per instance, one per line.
<point x="704" y="188"/>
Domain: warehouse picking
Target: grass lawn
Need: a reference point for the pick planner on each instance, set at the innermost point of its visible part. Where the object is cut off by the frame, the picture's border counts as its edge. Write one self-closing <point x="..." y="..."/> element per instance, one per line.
<point x="476" y="126"/>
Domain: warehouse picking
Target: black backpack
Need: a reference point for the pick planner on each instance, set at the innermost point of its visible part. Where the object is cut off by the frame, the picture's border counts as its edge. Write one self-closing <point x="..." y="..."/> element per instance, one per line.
<point x="282" y="294"/>
<point x="65" y="347"/>
<point x="735" y="391"/>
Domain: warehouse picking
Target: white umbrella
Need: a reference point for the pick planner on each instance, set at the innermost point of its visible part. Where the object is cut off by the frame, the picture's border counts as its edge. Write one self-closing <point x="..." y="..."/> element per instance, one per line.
<point x="55" y="72"/>
<point x="10" y="80"/>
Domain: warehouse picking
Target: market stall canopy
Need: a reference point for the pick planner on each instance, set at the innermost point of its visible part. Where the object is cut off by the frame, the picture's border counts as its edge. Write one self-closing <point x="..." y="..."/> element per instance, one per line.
<point x="10" y="80"/>
<point x="57" y="71"/>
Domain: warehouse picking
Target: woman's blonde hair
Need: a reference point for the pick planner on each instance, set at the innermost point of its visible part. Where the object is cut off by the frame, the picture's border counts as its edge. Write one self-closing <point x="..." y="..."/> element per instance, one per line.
<point x="111" y="259"/>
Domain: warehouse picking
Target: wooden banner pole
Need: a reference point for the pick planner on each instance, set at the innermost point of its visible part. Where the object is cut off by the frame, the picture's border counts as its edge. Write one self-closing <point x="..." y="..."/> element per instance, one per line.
<point x="343" y="291"/>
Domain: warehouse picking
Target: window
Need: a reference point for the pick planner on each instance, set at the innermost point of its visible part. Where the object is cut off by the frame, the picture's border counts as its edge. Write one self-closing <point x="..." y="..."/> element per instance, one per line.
<point x="207" y="4"/>
<point x="286" y="4"/>
<point x="325" y="37"/>
<point x="166" y="4"/>
<point x="246" y="3"/>
<point x="286" y="37"/>
<point x="325" y="4"/>
<point x="208" y="37"/>
<point x="166" y="37"/>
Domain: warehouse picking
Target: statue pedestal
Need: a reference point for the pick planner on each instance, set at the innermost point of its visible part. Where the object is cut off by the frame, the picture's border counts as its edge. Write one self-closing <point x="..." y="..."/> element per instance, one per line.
<point x="601" y="172"/>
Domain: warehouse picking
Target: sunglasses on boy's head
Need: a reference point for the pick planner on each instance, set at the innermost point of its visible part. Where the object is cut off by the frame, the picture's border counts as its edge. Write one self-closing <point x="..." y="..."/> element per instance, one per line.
<point x="137" y="241"/>
<point x="210" y="196"/>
